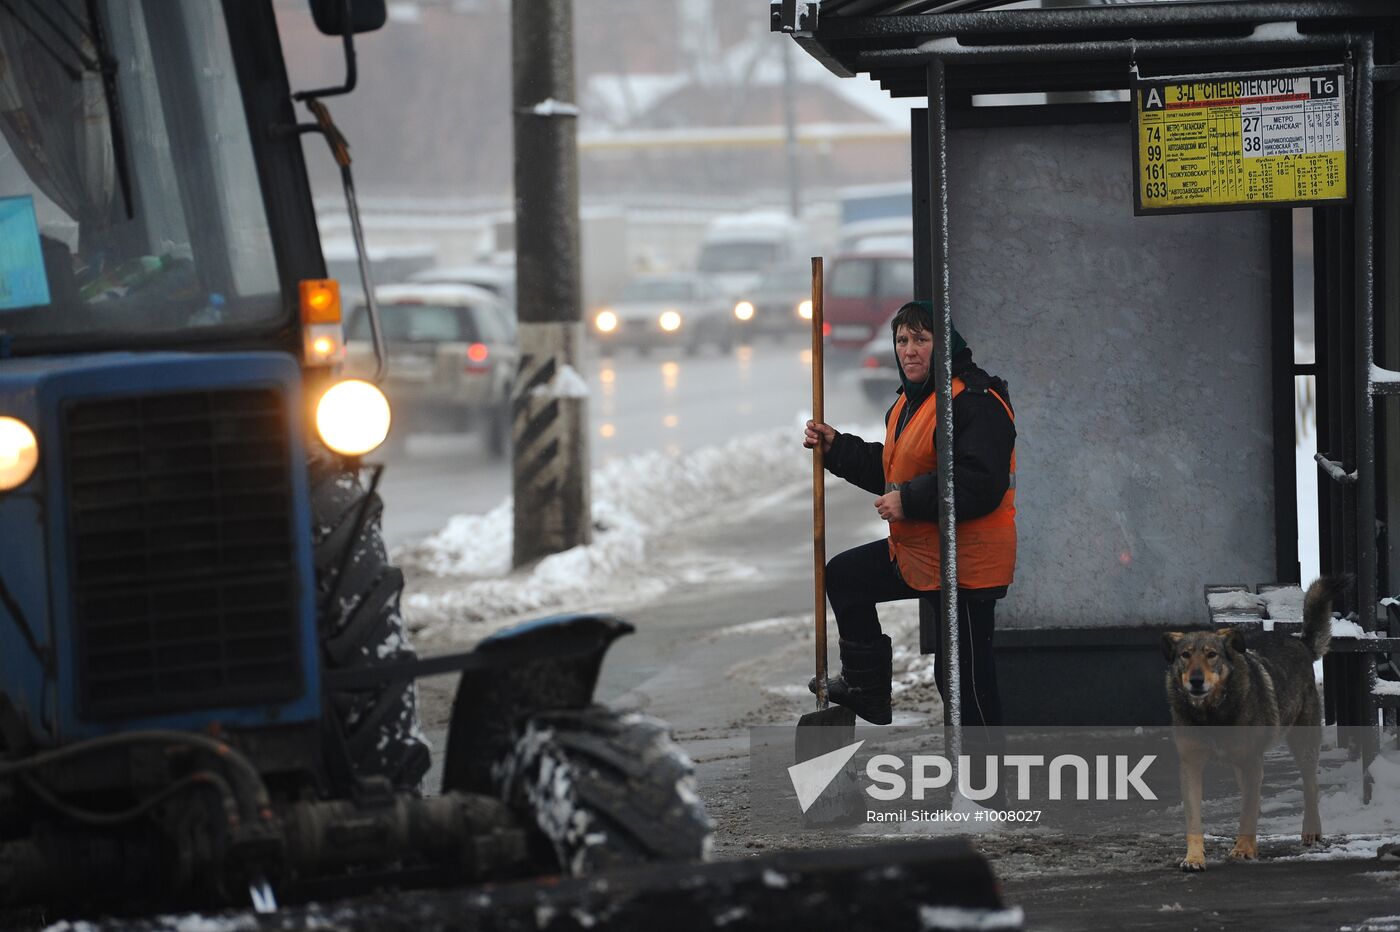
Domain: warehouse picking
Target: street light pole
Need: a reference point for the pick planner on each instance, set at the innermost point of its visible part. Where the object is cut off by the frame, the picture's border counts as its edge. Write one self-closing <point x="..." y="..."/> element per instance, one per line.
<point x="794" y="184"/>
<point x="549" y="412"/>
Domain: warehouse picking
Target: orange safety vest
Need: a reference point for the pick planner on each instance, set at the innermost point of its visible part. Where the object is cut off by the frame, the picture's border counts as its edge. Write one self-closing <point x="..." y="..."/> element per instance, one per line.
<point x="986" y="545"/>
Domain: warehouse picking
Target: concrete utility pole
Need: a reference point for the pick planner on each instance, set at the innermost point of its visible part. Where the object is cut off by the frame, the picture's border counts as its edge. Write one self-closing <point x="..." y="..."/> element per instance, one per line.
<point x="549" y="408"/>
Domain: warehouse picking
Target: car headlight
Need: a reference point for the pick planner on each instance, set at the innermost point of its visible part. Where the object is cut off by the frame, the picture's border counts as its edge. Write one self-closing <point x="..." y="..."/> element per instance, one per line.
<point x="19" y="453"/>
<point x="352" y="417"/>
<point x="670" y="321"/>
<point x="804" y="310"/>
<point x="605" y="321"/>
<point x="744" y="310"/>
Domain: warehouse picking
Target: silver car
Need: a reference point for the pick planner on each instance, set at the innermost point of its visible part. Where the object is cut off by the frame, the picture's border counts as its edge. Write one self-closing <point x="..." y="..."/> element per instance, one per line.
<point x="665" y="310"/>
<point x="452" y="358"/>
<point x="780" y="304"/>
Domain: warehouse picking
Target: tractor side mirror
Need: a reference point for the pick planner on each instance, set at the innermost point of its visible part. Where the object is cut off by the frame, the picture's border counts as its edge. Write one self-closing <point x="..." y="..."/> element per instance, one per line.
<point x="363" y="15"/>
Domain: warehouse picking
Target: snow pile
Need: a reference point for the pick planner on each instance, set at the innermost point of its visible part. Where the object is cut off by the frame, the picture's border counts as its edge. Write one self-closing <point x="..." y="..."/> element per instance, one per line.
<point x="634" y="501"/>
<point x="1365" y="827"/>
<point x="1347" y="628"/>
<point x="1232" y="600"/>
<point x="962" y="917"/>
<point x="1283" y="604"/>
<point x="567" y="383"/>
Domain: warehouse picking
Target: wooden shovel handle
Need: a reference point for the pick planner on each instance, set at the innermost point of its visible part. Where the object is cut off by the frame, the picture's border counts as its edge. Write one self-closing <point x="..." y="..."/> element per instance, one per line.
<point x="818" y="484"/>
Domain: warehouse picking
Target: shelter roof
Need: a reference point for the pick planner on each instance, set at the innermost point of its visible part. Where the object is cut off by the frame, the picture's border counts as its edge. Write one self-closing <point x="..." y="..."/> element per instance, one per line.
<point x="892" y="40"/>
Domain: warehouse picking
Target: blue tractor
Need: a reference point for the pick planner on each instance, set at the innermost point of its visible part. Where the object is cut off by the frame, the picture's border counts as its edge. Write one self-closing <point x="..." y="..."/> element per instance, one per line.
<point x="206" y="688"/>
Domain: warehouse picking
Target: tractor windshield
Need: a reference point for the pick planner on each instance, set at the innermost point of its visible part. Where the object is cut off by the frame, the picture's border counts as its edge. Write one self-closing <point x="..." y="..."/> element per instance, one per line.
<point x="130" y="205"/>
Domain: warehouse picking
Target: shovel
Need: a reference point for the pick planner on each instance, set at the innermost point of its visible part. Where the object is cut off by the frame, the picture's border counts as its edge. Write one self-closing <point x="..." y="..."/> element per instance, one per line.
<point x="830" y="727"/>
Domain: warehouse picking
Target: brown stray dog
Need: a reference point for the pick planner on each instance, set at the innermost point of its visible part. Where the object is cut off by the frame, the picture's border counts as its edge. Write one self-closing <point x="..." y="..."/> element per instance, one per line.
<point x="1263" y="688"/>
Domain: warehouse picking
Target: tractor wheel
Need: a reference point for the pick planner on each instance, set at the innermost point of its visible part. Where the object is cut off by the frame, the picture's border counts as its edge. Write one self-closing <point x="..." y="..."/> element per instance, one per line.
<point x="357" y="599"/>
<point x="605" y="790"/>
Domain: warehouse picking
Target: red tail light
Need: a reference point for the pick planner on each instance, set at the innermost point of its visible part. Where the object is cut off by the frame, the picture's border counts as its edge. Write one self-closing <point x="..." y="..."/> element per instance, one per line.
<point x="826" y="329"/>
<point x="871" y="363"/>
<point x="477" y="355"/>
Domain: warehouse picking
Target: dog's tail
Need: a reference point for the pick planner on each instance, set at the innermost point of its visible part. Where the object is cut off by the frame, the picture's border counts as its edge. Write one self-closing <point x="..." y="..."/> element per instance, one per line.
<point x="1317" y="612"/>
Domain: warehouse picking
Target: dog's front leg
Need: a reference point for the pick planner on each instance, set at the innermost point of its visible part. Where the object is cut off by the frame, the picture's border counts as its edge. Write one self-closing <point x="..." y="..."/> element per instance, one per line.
<point x="1193" y="764"/>
<point x="1249" y="774"/>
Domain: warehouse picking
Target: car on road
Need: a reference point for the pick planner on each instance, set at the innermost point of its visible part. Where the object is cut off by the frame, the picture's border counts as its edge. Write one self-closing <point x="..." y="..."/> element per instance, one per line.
<point x="497" y="279"/>
<point x="862" y="292"/>
<point x="780" y="304"/>
<point x="678" y="310"/>
<point x="878" y="371"/>
<point x="452" y="357"/>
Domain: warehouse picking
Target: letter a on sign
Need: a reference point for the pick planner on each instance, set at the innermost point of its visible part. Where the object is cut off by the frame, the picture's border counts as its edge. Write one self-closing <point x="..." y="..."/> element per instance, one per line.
<point x="1154" y="99"/>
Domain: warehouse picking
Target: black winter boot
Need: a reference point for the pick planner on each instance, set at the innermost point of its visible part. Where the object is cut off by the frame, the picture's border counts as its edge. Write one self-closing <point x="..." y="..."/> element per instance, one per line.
<point x="864" y="683"/>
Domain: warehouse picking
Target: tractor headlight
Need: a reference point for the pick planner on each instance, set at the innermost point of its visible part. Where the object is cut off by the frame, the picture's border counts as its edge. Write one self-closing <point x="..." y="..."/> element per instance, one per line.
<point x="670" y="321"/>
<point x="19" y="453"/>
<point x="352" y="417"/>
<point x="606" y="321"/>
<point x="744" y="310"/>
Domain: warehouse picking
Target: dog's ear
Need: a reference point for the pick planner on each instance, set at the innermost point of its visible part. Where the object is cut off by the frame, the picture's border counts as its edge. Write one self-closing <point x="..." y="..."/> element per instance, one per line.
<point x="1233" y="639"/>
<point x="1170" y="640"/>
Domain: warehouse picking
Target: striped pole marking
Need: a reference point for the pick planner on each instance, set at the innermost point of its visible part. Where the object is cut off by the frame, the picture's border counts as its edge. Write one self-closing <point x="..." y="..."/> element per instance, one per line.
<point x="551" y="471"/>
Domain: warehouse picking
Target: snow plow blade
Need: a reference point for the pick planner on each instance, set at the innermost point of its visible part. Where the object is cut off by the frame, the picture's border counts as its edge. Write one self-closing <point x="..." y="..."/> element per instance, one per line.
<point x="934" y="885"/>
<point x="551" y="663"/>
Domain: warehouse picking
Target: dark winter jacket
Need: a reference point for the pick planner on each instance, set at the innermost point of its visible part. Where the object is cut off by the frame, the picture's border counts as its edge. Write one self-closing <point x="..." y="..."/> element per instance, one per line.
<point x="983" y="440"/>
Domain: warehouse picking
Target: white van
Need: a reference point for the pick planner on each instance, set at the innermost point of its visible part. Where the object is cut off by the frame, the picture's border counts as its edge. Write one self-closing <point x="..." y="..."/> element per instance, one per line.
<point x="737" y="249"/>
<point x="877" y="218"/>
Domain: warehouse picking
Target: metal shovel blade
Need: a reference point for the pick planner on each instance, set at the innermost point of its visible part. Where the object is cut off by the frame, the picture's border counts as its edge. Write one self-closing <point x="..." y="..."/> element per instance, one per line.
<point x="819" y="733"/>
<point x="824" y="731"/>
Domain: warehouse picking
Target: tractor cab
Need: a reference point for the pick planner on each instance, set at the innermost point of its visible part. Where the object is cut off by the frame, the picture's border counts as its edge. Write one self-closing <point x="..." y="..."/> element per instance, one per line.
<point x="147" y="201"/>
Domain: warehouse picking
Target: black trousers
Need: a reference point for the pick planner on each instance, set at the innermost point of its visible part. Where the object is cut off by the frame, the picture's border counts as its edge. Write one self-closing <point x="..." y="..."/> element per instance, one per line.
<point x="860" y="578"/>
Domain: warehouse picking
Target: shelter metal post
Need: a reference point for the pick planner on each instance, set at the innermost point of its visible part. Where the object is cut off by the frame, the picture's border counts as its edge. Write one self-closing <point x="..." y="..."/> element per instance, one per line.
<point x="1365" y="393"/>
<point x="1284" y="397"/>
<point x="943" y="373"/>
<point x="1365" y="335"/>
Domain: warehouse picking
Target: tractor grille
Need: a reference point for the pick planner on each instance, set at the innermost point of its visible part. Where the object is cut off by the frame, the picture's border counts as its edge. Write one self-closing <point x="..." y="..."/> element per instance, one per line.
<point x="183" y="569"/>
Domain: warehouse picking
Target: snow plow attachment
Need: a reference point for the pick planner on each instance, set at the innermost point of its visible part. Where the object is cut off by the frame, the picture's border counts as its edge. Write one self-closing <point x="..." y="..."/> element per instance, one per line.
<point x="549" y="664"/>
<point x="597" y="788"/>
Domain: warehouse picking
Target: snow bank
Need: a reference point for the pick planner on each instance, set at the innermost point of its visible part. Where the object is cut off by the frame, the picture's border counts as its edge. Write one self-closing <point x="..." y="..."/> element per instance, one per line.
<point x="635" y="501"/>
<point x="1364" y="828"/>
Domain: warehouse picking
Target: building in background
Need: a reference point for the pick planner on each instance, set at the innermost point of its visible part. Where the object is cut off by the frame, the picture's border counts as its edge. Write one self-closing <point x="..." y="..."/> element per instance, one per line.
<point x="681" y="120"/>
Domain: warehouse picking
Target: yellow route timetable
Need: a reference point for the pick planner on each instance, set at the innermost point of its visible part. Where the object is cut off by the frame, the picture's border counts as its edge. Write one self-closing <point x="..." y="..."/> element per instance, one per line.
<point x="1240" y="140"/>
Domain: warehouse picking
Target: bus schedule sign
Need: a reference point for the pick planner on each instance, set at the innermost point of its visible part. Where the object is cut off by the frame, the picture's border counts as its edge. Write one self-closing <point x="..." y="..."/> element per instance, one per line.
<point x="1226" y="141"/>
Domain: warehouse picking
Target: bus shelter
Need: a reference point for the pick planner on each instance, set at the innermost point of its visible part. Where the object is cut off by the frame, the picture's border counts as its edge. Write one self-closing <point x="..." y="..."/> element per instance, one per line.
<point x="1111" y="202"/>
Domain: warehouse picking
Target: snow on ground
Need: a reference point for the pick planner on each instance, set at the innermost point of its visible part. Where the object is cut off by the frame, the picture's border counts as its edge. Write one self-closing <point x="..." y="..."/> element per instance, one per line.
<point x="634" y="501"/>
<point x="1365" y="828"/>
